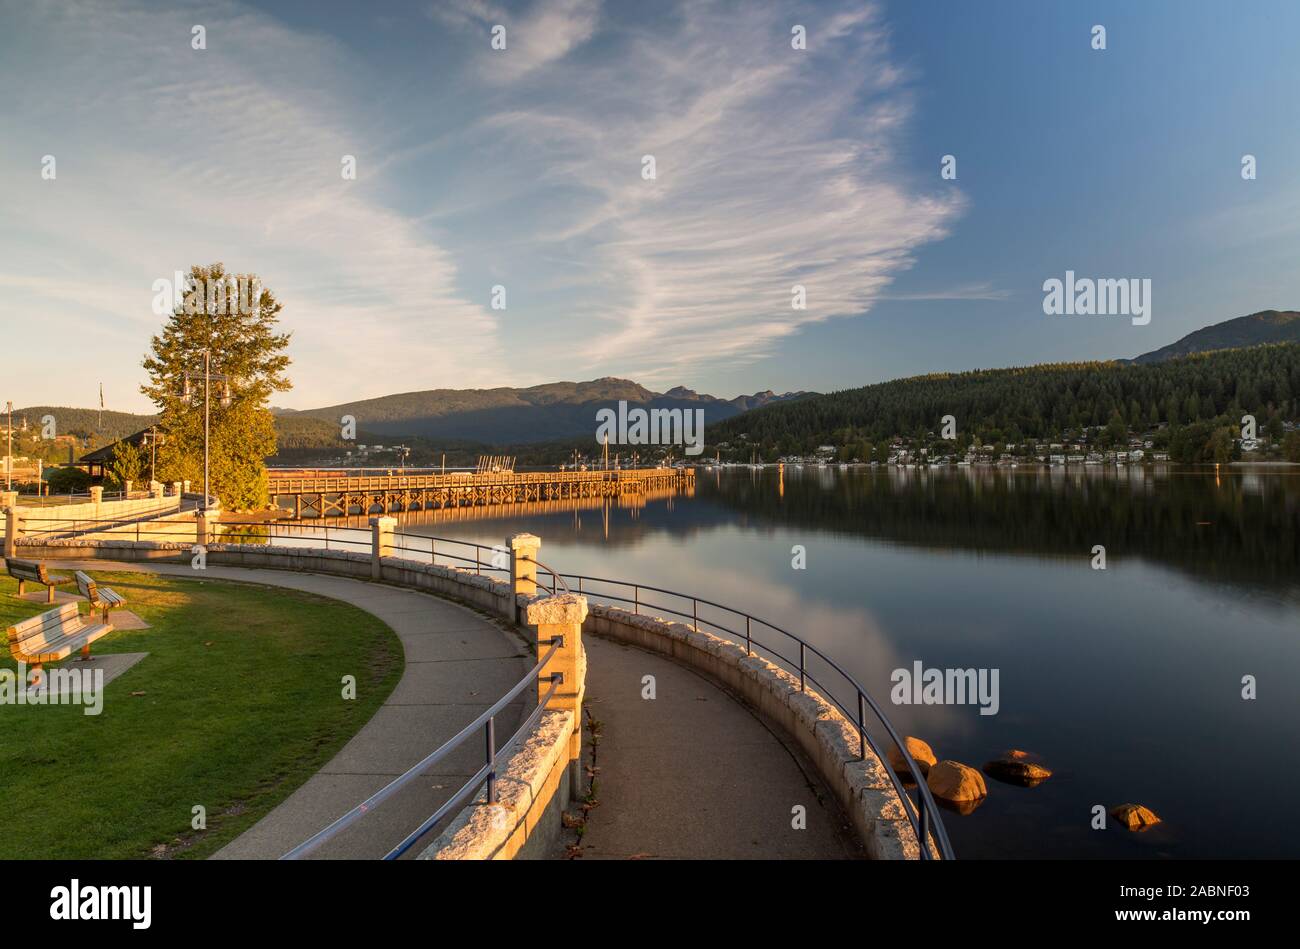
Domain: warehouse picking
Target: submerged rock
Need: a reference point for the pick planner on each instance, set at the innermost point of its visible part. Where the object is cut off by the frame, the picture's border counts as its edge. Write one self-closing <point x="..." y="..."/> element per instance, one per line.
<point x="920" y="753"/>
<point x="956" y="783"/>
<point x="1015" y="767"/>
<point x="1134" y="816"/>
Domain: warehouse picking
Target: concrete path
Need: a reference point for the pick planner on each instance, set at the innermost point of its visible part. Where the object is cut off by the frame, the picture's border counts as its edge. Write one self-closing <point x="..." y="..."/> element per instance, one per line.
<point x="693" y="774"/>
<point x="457" y="664"/>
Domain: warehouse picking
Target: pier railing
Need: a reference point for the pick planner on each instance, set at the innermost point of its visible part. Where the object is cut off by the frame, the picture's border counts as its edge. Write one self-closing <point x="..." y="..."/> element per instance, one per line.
<point x="795" y="656"/>
<point x="337" y="483"/>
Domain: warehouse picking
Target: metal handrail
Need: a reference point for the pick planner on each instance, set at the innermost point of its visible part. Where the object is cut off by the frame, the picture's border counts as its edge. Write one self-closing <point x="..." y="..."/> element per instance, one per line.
<point x="487" y="721"/>
<point x="557" y="579"/>
<point x="922" y="813"/>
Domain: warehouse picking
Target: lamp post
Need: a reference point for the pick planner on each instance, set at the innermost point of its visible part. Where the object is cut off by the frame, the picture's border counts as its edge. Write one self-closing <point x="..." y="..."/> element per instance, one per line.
<point x="9" y="450"/>
<point x="208" y="375"/>
<point x="153" y="438"/>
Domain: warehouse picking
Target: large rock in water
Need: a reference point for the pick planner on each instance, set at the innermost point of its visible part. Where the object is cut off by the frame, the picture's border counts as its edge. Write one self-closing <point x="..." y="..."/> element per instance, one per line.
<point x="920" y="753"/>
<point x="956" y="783"/>
<point x="1014" y="767"/>
<point x="1134" y="816"/>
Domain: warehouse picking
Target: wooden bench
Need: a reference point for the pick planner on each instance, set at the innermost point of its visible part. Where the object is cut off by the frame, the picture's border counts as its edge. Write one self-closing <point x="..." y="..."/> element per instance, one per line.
<point x="52" y="636"/>
<point x="29" y="570"/>
<point x="101" y="598"/>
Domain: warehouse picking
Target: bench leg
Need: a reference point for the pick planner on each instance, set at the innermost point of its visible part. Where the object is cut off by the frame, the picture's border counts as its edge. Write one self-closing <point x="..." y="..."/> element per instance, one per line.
<point x="85" y="652"/>
<point x="36" y="674"/>
<point x="20" y="587"/>
<point x="49" y="595"/>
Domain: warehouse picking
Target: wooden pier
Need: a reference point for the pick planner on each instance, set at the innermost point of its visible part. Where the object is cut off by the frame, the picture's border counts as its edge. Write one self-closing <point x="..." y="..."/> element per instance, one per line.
<point x="339" y="496"/>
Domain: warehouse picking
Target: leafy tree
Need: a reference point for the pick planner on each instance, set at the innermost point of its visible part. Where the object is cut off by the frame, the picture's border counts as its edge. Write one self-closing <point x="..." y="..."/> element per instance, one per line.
<point x="128" y="464"/>
<point x="1222" y="445"/>
<point x="243" y="346"/>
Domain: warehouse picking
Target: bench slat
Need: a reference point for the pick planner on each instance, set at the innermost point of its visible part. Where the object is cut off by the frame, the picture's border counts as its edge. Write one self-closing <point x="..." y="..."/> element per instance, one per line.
<point x="66" y="646"/>
<point x="53" y="635"/>
<point x="101" y="598"/>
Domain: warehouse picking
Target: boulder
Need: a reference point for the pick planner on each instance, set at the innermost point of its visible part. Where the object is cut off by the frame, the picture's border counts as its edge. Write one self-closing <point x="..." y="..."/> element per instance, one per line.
<point x="956" y="783"/>
<point x="1015" y="767"/>
<point x="920" y="753"/>
<point x="1134" y="816"/>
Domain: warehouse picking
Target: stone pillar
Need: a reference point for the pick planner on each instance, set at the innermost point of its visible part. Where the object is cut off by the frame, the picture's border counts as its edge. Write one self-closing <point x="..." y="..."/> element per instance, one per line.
<point x="155" y="489"/>
<point x="13" y="530"/>
<point x="126" y="488"/>
<point x="8" y="499"/>
<point x="381" y="542"/>
<point x="97" y="498"/>
<point x="523" y="570"/>
<point x="560" y="617"/>
<point x="202" y="528"/>
<point x="186" y="486"/>
<point x="176" y="488"/>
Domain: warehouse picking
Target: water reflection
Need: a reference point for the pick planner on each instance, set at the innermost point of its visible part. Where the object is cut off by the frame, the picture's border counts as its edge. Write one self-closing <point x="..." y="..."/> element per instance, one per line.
<point x="1126" y="682"/>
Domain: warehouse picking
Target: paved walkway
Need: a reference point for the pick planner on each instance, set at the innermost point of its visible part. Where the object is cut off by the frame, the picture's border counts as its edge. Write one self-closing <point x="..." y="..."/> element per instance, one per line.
<point x="457" y="664"/>
<point x="693" y="774"/>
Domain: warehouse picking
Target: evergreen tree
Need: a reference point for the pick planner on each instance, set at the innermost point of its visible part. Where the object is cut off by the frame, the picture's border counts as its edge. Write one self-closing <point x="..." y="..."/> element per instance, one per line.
<point x="247" y="350"/>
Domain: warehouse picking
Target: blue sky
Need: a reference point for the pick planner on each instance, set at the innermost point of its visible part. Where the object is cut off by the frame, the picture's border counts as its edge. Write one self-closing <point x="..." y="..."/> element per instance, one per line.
<point x="523" y="168"/>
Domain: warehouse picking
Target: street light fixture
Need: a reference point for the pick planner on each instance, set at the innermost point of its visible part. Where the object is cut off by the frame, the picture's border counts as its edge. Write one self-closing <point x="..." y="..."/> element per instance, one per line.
<point x="153" y="437"/>
<point x="207" y="376"/>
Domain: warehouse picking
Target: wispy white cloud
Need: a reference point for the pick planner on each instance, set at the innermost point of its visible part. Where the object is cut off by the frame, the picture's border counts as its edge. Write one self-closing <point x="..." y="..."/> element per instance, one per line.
<point x="775" y="167"/>
<point x="168" y="156"/>
<point x="546" y="32"/>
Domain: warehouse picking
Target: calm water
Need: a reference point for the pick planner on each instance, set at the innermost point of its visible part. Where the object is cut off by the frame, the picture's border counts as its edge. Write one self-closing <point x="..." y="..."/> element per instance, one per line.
<point x="1126" y="681"/>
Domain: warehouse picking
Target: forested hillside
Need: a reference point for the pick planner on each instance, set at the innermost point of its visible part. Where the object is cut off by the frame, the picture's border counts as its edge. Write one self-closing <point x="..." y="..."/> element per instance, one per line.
<point x="1034" y="402"/>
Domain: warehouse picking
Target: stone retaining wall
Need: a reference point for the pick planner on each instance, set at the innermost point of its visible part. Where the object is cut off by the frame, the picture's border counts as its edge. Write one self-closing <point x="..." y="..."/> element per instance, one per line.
<point x="525" y="823"/>
<point x="830" y="741"/>
<point x="104" y="510"/>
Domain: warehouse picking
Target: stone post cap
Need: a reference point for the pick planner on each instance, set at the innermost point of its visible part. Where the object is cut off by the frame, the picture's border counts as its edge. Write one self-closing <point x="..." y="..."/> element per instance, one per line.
<point x="383" y="521"/>
<point x="525" y="540"/>
<point x="560" y="610"/>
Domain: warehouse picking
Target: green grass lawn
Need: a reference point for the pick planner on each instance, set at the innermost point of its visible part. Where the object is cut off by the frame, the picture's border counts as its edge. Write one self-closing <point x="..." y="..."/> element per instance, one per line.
<point x="240" y="702"/>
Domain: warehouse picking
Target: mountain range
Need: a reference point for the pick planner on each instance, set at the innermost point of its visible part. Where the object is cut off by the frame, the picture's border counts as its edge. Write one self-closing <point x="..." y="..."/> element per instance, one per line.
<point x="1266" y="326"/>
<point x="556" y="410"/>
<point x="561" y="411"/>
